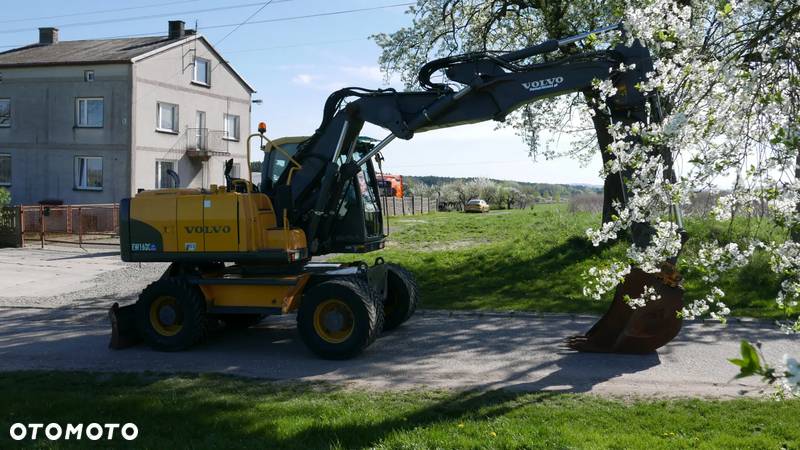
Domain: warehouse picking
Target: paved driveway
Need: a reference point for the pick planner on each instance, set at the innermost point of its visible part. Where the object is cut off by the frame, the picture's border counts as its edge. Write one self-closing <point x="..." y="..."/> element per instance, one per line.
<point x="434" y="350"/>
<point x="65" y="328"/>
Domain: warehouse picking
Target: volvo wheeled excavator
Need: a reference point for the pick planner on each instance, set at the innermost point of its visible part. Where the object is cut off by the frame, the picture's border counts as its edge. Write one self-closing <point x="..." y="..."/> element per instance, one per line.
<point x="239" y="251"/>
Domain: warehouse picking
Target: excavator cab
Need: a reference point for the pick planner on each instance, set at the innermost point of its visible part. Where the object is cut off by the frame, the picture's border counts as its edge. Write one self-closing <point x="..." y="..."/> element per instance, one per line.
<point x="358" y="223"/>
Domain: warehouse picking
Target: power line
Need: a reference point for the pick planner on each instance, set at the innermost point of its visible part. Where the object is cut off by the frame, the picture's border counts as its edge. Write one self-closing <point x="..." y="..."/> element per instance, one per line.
<point x="308" y="16"/>
<point x="281" y="19"/>
<point x="102" y="11"/>
<point x="150" y="16"/>
<point x="304" y="44"/>
<point x="278" y="19"/>
<point x="245" y="21"/>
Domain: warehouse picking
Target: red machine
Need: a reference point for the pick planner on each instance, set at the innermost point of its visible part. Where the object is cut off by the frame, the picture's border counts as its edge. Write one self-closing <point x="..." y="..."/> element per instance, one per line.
<point x="391" y="185"/>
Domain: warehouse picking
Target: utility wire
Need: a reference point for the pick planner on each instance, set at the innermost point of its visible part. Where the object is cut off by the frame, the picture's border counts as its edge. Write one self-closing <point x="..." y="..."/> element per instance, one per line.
<point x="102" y="11"/>
<point x="150" y="16"/>
<point x="305" y="44"/>
<point x="267" y="3"/>
<point x="280" y="19"/>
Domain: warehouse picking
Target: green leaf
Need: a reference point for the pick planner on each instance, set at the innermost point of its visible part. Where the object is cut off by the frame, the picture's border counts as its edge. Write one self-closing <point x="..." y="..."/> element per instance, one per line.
<point x="750" y="363"/>
<point x="727" y="9"/>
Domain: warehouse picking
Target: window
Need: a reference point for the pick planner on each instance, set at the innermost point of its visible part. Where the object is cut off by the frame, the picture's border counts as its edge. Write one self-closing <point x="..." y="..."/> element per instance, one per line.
<point x="89" y="112"/>
<point x="89" y="173"/>
<point x="167" y="117"/>
<point x="202" y="71"/>
<point x="88" y="76"/>
<point x="163" y="180"/>
<point x="231" y="129"/>
<point x="5" y="170"/>
<point x="5" y="112"/>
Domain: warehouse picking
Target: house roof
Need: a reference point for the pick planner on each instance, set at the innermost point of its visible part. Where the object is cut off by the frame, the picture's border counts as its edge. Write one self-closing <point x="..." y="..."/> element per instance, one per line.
<point x="92" y="51"/>
<point x="99" y="51"/>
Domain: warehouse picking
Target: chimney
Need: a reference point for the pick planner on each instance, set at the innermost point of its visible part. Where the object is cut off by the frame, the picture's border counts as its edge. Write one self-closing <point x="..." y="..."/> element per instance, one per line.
<point x="177" y="29"/>
<point x="48" y="35"/>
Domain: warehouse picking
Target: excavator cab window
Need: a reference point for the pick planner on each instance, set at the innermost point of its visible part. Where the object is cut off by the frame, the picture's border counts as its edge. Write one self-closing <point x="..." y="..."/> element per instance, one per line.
<point x="359" y="224"/>
<point x="275" y="164"/>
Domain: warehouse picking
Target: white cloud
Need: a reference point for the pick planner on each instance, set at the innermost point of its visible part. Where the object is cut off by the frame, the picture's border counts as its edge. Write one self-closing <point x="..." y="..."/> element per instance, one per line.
<point x="303" y="78"/>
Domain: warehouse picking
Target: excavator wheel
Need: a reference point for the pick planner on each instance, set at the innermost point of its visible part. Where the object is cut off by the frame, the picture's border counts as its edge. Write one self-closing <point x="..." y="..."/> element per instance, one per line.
<point x="339" y="318"/>
<point x="642" y="330"/>
<point x="170" y="315"/>
<point x="402" y="296"/>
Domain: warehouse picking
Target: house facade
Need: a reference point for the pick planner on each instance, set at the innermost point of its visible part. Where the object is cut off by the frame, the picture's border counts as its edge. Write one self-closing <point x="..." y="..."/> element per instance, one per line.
<point x="94" y="121"/>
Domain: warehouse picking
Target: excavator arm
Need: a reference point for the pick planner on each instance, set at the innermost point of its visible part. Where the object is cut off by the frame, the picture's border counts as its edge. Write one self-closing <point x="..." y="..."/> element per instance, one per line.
<point x="489" y="86"/>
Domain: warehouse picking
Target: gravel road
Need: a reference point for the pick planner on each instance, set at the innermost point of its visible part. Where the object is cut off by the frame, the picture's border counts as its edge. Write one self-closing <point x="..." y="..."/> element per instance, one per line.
<point x="433" y="350"/>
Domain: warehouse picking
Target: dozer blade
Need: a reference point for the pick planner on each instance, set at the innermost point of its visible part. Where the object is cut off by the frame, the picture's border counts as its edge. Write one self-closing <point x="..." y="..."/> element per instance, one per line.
<point x="123" y="326"/>
<point x="642" y="330"/>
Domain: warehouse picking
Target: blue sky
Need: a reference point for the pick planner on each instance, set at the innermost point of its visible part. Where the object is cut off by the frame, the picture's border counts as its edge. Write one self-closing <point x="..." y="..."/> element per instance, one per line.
<point x="295" y="65"/>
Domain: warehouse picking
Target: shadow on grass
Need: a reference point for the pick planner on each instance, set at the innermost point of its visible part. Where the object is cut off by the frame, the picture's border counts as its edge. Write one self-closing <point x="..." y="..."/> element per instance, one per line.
<point x="508" y="277"/>
<point x="213" y="411"/>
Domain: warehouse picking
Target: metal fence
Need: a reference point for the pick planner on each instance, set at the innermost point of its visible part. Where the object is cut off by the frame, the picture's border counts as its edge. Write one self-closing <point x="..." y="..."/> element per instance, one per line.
<point x="10" y="226"/>
<point x="408" y="206"/>
<point x="70" y="224"/>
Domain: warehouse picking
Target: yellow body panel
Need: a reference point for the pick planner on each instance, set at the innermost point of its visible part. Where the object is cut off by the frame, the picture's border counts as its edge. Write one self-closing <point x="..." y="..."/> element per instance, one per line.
<point x="216" y="221"/>
<point x="262" y="296"/>
<point x="221" y="223"/>
<point x="159" y="213"/>
<point x="190" y="235"/>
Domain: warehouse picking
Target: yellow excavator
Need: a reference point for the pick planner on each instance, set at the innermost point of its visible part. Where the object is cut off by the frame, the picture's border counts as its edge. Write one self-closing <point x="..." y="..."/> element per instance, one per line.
<point x="239" y="252"/>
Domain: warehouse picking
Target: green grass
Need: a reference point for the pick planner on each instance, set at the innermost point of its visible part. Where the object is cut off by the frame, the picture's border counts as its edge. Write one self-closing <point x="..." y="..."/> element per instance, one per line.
<point x="225" y="412"/>
<point x="533" y="260"/>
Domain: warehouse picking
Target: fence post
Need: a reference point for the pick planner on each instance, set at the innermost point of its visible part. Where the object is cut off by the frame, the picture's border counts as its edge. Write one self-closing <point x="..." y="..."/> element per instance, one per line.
<point x="21" y="226"/>
<point x="80" y="227"/>
<point x="394" y="205"/>
<point x="403" y="205"/>
<point x="413" y="208"/>
<point x="41" y="221"/>
<point x="115" y="219"/>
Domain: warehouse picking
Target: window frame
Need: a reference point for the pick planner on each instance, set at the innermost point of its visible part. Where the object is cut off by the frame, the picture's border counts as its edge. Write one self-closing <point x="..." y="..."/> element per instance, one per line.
<point x="226" y="132"/>
<point x="195" y="79"/>
<point x="76" y="177"/>
<point x="174" y="167"/>
<point x="10" y="170"/>
<point x="8" y="125"/>
<point x="175" y="118"/>
<point x="78" y="101"/>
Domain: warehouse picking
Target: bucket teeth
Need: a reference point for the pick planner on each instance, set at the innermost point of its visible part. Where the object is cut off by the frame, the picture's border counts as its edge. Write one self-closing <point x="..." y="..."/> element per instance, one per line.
<point x="623" y="329"/>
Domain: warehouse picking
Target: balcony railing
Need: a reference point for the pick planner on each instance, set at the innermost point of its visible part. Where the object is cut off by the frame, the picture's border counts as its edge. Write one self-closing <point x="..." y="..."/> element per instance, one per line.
<point x="203" y="143"/>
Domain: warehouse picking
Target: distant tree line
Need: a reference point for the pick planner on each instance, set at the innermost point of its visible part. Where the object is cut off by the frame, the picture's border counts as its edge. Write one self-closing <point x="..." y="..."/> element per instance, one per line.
<point x="454" y="193"/>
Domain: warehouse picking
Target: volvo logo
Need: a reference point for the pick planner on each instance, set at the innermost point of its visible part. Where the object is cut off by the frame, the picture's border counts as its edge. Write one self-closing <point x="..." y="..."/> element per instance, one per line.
<point x="208" y="230"/>
<point x="547" y="83"/>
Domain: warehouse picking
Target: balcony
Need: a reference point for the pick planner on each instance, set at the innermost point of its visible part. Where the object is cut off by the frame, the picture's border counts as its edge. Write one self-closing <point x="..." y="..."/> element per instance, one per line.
<point x="202" y="143"/>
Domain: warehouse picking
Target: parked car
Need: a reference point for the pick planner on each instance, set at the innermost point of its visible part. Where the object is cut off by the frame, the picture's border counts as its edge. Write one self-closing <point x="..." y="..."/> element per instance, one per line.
<point x="477" y="205"/>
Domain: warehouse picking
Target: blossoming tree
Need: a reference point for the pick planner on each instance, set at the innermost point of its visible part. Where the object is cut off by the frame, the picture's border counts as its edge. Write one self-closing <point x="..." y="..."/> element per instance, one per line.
<point x="726" y="72"/>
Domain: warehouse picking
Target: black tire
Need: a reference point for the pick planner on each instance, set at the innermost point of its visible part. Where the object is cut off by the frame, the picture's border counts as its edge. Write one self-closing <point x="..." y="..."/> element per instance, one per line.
<point x="240" y="321"/>
<point x="362" y="320"/>
<point x="188" y="306"/>
<point x="402" y="296"/>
